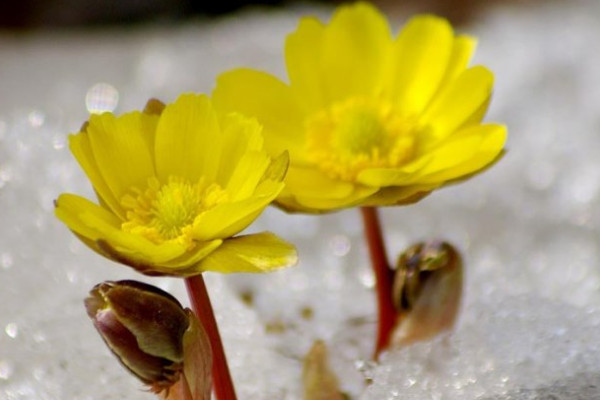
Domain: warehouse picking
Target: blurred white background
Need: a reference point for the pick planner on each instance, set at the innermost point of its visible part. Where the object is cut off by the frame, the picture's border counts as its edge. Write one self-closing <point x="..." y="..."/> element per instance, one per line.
<point x="528" y="227"/>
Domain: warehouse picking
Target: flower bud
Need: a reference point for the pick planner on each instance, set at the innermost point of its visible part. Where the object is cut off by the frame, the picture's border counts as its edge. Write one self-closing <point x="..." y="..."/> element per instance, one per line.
<point x="427" y="291"/>
<point x="144" y="327"/>
<point x="320" y="382"/>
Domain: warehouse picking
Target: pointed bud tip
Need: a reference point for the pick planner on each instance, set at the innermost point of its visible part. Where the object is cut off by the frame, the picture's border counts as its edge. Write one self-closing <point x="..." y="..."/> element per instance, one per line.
<point x="320" y="382"/>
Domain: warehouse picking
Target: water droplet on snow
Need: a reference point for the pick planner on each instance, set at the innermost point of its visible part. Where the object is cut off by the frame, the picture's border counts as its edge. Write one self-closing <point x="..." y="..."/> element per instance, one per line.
<point x="36" y="118"/>
<point x="340" y="245"/>
<point x="6" y="260"/>
<point x="101" y="97"/>
<point x="6" y="369"/>
<point x="12" y="330"/>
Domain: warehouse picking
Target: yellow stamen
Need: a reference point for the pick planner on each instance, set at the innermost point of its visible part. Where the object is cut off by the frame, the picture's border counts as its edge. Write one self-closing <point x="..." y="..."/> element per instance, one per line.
<point x="359" y="133"/>
<point x="167" y="212"/>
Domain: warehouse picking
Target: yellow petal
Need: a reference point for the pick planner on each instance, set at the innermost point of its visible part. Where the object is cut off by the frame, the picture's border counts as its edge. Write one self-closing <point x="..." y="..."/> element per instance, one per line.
<point x="324" y="204"/>
<point x="492" y="139"/>
<point x="245" y="161"/>
<point x="72" y="211"/>
<point x="381" y="177"/>
<point x="97" y="224"/>
<point x="228" y="219"/>
<point x="89" y="222"/>
<point x="246" y="176"/>
<point x="310" y="190"/>
<point x="186" y="264"/>
<point x="477" y="116"/>
<point x="184" y="138"/>
<point x="451" y="153"/>
<point x="421" y="55"/>
<point x="399" y="195"/>
<point x="121" y="149"/>
<point x="303" y="49"/>
<point x="356" y="45"/>
<point x="463" y="48"/>
<point x="261" y="252"/>
<point x="137" y="250"/>
<point x="459" y="149"/>
<point x="278" y="168"/>
<point x="260" y="95"/>
<point x="461" y="100"/>
<point x="182" y="266"/>
<point x="311" y="182"/>
<point x="81" y="148"/>
<point x="239" y="135"/>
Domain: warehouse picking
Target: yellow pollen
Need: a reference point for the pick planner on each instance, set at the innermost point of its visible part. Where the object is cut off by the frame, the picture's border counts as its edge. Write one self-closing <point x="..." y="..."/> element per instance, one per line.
<point x="357" y="134"/>
<point x="167" y="212"/>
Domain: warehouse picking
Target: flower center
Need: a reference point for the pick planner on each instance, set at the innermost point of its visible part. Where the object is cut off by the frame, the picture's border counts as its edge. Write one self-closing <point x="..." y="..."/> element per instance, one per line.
<point x="167" y="212"/>
<point x="357" y="134"/>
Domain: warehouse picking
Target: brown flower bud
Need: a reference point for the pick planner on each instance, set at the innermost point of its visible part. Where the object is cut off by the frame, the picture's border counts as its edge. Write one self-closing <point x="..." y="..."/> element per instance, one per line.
<point x="427" y="291"/>
<point x="144" y="327"/>
<point x="320" y="383"/>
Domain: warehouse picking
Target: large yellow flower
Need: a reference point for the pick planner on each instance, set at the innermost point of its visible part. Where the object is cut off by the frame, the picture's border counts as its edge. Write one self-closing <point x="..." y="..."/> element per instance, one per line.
<point x="175" y="184"/>
<point x="369" y="119"/>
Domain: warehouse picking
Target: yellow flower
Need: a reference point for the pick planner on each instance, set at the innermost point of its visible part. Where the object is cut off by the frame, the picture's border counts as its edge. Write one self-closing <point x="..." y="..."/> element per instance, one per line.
<point x="175" y="184"/>
<point x="368" y="119"/>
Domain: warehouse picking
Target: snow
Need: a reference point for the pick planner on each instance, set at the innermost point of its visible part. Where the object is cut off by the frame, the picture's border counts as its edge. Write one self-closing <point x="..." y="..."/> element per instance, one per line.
<point x="528" y="228"/>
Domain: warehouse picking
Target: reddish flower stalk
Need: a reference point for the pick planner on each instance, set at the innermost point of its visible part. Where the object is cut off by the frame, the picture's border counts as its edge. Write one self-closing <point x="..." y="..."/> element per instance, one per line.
<point x="383" y="278"/>
<point x="223" y="385"/>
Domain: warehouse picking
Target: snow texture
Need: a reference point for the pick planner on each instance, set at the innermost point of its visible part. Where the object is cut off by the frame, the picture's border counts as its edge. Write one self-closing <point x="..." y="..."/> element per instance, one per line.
<point x="528" y="227"/>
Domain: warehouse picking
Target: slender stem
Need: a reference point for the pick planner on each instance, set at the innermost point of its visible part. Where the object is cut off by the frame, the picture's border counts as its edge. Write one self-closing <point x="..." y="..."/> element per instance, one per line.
<point x="383" y="277"/>
<point x="223" y="385"/>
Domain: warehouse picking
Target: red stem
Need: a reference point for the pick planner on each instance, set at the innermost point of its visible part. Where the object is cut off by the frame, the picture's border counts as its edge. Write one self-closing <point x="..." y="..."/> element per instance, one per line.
<point x="223" y="385"/>
<point x="383" y="277"/>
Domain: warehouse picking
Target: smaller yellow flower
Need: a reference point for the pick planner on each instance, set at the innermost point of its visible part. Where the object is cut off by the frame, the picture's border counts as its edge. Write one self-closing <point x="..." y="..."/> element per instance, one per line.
<point x="175" y="184"/>
<point x="370" y="119"/>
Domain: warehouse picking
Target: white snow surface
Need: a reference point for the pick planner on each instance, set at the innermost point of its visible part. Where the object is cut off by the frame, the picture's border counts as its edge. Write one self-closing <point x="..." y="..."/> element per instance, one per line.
<point x="528" y="228"/>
